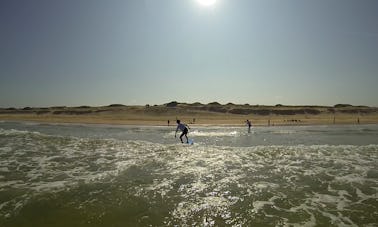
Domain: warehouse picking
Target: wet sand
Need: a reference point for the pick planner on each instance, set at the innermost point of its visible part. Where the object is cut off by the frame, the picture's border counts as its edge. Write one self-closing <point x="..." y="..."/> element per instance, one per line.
<point x="203" y="119"/>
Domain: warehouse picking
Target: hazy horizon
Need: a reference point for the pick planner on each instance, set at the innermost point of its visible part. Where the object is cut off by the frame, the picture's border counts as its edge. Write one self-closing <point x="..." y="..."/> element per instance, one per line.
<point x="138" y="52"/>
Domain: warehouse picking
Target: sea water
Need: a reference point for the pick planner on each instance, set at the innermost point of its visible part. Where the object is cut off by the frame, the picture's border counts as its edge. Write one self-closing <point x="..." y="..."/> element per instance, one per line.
<point x="103" y="175"/>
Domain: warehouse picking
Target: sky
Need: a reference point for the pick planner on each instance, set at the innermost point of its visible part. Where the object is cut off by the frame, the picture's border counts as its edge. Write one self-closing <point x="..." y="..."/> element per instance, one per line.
<point x="137" y="52"/>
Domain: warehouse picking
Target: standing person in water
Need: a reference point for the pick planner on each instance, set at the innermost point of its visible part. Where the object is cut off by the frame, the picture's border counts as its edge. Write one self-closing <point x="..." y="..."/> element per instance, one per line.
<point x="249" y="124"/>
<point x="184" y="129"/>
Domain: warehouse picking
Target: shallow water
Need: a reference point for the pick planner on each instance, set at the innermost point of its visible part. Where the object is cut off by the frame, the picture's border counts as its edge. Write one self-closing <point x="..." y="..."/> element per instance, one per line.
<point x="103" y="175"/>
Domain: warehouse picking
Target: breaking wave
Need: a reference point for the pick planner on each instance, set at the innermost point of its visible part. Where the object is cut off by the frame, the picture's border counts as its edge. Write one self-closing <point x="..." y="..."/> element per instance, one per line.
<point x="138" y="182"/>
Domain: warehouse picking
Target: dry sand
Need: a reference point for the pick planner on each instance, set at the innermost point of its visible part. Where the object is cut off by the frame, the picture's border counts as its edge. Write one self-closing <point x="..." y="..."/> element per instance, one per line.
<point x="195" y="114"/>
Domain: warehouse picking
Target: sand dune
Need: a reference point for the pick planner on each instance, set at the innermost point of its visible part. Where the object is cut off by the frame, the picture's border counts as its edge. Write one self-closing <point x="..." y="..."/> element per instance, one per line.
<point x="197" y="113"/>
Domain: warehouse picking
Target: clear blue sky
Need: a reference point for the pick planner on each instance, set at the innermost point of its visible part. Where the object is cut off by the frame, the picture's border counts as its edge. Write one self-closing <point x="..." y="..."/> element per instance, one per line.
<point x="101" y="52"/>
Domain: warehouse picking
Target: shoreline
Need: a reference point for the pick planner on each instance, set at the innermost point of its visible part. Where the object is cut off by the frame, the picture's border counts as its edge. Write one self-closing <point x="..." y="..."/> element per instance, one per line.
<point x="212" y="114"/>
<point x="149" y="123"/>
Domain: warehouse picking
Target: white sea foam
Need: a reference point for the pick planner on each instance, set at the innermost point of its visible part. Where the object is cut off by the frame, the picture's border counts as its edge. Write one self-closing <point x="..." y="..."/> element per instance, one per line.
<point x="8" y="132"/>
<point x="208" y="134"/>
<point x="198" y="133"/>
<point x="204" y="184"/>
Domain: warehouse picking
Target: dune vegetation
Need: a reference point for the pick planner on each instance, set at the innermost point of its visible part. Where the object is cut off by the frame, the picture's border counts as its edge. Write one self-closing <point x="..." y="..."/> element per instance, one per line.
<point x="196" y="113"/>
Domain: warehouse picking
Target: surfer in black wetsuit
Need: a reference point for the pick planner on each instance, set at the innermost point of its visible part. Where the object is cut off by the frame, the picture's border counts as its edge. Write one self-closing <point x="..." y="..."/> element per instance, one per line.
<point x="249" y="124"/>
<point x="184" y="129"/>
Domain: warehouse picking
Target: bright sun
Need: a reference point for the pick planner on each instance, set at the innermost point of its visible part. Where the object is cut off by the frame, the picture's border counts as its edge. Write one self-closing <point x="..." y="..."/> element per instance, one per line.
<point x="207" y="2"/>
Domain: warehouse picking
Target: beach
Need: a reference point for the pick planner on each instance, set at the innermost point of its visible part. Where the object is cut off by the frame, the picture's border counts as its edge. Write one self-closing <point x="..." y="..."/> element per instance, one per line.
<point x="196" y="113"/>
<point x="188" y="113"/>
<point x="122" y="165"/>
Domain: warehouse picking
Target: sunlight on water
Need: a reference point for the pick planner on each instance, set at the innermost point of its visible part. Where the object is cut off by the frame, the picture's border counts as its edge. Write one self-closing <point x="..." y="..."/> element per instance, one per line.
<point x="50" y="178"/>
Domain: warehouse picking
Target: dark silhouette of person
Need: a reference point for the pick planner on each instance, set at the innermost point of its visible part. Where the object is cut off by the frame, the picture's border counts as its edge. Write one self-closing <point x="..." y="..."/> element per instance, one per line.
<point x="184" y="129"/>
<point x="249" y="124"/>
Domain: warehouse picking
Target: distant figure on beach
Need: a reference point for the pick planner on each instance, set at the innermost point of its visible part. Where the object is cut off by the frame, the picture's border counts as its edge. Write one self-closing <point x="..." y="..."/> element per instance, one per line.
<point x="184" y="129"/>
<point x="249" y="124"/>
<point x="168" y="122"/>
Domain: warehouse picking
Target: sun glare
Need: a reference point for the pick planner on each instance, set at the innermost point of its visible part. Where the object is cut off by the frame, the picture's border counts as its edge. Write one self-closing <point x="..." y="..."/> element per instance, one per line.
<point x="207" y="2"/>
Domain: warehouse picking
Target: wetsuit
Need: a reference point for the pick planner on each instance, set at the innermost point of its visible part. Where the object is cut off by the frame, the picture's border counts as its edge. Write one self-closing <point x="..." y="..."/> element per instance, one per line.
<point x="184" y="129"/>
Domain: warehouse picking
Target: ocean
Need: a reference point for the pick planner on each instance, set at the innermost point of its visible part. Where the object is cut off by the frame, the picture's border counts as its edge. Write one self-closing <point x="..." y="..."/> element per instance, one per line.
<point x="109" y="175"/>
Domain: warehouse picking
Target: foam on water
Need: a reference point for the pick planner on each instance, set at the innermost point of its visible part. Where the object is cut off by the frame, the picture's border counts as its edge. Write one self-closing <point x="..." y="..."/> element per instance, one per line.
<point x="138" y="182"/>
<point x="198" y="133"/>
